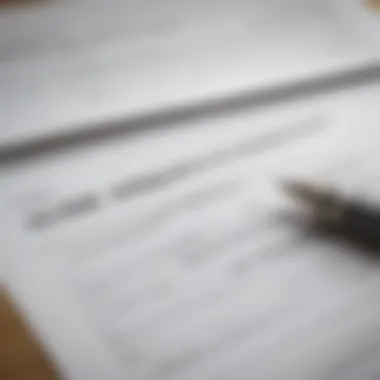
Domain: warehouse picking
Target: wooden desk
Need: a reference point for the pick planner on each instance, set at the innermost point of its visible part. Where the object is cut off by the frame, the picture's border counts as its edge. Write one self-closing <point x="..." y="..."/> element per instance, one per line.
<point x="21" y="356"/>
<point x="375" y="4"/>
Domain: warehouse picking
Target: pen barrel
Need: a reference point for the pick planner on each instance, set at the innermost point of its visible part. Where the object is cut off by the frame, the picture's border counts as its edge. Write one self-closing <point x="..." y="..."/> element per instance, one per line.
<point x="361" y="222"/>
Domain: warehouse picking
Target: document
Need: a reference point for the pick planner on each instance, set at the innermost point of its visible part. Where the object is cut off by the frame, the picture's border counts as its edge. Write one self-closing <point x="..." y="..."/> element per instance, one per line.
<point x="172" y="254"/>
<point x="69" y="65"/>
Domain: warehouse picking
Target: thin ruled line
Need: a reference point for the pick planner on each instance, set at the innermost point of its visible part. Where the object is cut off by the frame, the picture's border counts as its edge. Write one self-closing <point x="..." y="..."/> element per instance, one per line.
<point x="151" y="182"/>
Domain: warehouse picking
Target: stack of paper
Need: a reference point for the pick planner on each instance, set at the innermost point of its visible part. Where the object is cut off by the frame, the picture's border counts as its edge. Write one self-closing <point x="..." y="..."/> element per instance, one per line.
<point x="170" y="253"/>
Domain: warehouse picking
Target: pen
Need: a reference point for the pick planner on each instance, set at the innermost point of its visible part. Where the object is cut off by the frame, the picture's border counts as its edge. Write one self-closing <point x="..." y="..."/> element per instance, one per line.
<point x="354" y="218"/>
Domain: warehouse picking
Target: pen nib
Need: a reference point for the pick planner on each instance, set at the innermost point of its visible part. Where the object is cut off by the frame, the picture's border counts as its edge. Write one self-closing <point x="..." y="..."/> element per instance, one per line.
<point x="305" y="192"/>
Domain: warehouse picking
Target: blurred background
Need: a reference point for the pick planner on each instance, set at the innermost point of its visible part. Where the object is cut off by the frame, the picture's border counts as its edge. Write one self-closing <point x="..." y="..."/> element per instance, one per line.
<point x="69" y="65"/>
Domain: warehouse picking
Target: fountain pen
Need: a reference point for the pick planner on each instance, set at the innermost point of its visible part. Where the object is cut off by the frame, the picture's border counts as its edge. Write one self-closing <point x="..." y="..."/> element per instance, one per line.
<point x="354" y="218"/>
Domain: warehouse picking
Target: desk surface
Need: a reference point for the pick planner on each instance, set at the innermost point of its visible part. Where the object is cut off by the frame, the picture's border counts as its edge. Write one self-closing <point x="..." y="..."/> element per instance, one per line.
<point x="21" y="356"/>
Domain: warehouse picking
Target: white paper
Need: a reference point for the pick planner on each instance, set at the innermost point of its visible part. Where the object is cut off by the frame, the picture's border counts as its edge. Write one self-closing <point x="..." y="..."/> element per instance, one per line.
<point x="169" y="255"/>
<point x="64" y="65"/>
